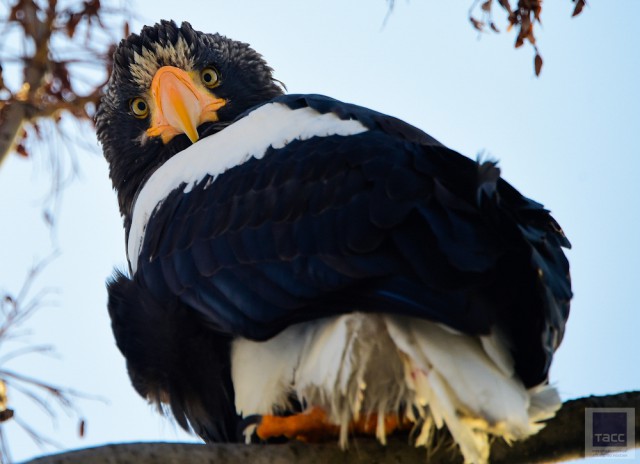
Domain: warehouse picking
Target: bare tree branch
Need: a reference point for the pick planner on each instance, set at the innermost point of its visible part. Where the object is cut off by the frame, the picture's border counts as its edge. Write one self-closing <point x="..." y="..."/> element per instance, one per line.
<point x="15" y="312"/>
<point x="47" y="90"/>
<point x="561" y="440"/>
<point x="563" y="437"/>
<point x="16" y="112"/>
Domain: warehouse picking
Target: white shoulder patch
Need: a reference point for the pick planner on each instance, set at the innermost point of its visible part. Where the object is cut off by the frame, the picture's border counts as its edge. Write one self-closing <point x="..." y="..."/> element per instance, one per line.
<point x="273" y="124"/>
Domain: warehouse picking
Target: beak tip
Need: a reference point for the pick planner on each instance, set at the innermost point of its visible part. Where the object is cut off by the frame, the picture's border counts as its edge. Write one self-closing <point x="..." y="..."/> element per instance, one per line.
<point x="193" y="137"/>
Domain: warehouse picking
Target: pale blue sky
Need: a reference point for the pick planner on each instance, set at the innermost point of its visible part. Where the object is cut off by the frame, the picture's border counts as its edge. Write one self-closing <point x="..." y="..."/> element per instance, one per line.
<point x="568" y="139"/>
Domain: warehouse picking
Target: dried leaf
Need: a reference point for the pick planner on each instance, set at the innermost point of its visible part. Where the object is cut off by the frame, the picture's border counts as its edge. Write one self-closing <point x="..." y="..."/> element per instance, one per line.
<point x="479" y="25"/>
<point x="61" y="81"/>
<point x="92" y="8"/>
<point x="525" y="26"/>
<point x="486" y="6"/>
<point x="72" y="24"/>
<point x="530" y="37"/>
<point x="5" y="415"/>
<point x="580" y="4"/>
<point x="2" y="84"/>
<point x="494" y="28"/>
<point x="537" y="64"/>
<point x="82" y="425"/>
<point x="22" y="151"/>
<point x="536" y="12"/>
<point x="506" y="5"/>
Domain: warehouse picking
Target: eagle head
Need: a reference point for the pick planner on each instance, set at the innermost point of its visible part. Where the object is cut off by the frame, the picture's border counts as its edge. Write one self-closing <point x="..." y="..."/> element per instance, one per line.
<point x="171" y="85"/>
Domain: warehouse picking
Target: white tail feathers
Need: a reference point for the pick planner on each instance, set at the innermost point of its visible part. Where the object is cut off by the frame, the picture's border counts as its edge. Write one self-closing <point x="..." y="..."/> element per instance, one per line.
<point x="361" y="364"/>
<point x="469" y="382"/>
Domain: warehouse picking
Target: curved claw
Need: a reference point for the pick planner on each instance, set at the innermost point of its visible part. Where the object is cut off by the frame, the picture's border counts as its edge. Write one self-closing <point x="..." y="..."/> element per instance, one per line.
<point x="246" y="430"/>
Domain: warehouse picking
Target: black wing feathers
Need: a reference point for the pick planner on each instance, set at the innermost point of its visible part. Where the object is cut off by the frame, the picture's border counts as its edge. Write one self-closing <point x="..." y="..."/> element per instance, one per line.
<point x="176" y="361"/>
<point x="371" y="119"/>
<point x="388" y="220"/>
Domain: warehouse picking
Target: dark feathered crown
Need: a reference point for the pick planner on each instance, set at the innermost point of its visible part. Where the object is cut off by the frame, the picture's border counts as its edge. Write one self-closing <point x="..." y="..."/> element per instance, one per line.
<point x="246" y="81"/>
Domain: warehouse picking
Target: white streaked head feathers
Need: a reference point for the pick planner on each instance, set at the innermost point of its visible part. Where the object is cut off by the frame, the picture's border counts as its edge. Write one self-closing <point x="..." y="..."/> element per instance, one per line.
<point x="146" y="64"/>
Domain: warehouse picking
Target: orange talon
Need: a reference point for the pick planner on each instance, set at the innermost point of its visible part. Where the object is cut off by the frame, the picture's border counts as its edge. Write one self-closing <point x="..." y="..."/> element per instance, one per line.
<point x="313" y="425"/>
<point x="367" y="425"/>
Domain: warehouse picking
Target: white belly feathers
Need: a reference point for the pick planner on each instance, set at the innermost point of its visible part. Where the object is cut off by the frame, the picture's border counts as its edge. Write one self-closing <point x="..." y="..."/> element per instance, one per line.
<point x="361" y="364"/>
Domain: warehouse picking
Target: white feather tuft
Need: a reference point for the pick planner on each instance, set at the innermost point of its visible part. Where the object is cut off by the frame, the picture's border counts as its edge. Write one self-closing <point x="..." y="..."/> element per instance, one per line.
<point x="362" y="364"/>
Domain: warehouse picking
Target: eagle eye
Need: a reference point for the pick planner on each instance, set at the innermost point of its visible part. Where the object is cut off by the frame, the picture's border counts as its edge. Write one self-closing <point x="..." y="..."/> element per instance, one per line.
<point x="139" y="107"/>
<point x="210" y="77"/>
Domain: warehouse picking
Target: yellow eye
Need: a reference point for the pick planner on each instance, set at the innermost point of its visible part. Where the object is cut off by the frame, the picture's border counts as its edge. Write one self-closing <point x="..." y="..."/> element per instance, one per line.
<point x="210" y="77"/>
<point x="139" y="107"/>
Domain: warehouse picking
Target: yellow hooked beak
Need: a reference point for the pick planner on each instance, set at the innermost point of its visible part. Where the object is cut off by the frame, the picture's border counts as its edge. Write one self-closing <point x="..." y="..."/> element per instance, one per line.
<point x="179" y="104"/>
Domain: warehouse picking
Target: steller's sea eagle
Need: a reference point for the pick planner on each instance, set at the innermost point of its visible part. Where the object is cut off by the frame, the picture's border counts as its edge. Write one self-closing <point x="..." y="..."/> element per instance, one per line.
<point x="300" y="266"/>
